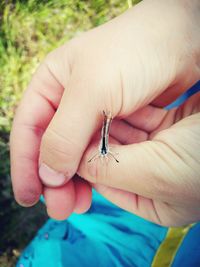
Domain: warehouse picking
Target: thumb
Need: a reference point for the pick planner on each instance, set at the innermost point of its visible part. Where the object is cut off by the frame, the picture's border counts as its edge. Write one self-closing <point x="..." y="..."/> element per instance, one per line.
<point x="135" y="172"/>
<point x="154" y="169"/>
<point x="66" y="137"/>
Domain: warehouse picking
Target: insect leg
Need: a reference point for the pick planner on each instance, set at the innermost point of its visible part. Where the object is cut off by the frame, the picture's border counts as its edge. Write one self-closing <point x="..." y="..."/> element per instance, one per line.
<point x="94" y="157"/>
<point x="110" y="153"/>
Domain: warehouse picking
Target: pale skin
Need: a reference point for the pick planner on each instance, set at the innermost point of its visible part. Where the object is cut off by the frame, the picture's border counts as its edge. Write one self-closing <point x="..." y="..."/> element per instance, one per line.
<point x="133" y="66"/>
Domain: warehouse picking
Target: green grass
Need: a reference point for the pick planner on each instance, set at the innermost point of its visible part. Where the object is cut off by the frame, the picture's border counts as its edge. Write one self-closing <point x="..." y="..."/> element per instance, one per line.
<point x="28" y="31"/>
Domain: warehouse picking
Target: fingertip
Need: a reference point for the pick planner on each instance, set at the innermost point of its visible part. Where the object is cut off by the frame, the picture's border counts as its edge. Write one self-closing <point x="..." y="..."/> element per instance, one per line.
<point x="27" y="197"/>
<point x="56" y="216"/>
<point x="83" y="195"/>
<point x="60" y="201"/>
<point x="27" y="186"/>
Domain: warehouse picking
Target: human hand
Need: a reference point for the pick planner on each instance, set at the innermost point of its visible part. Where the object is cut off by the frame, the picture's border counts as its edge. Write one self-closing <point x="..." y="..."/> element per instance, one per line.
<point x="141" y="60"/>
<point x="157" y="176"/>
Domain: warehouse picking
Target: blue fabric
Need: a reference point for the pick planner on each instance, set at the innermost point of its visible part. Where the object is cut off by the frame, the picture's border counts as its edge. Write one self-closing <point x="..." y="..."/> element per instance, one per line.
<point x="180" y="100"/>
<point x="107" y="236"/>
<point x="104" y="236"/>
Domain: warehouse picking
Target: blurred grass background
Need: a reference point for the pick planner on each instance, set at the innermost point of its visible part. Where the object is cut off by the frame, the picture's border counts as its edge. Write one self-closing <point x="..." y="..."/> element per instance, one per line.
<point x="29" y="29"/>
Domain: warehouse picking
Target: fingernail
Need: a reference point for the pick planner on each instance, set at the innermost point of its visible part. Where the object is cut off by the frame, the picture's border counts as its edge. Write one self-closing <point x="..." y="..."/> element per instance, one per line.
<point x="51" y="177"/>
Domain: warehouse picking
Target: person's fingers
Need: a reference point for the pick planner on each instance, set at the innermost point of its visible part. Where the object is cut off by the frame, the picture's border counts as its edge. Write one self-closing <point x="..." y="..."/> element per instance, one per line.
<point x="126" y="133"/>
<point x="32" y="117"/>
<point x="129" y="201"/>
<point x="135" y="172"/>
<point x="68" y="135"/>
<point x="83" y="193"/>
<point x="60" y="201"/>
<point x="141" y="125"/>
<point x="151" y="119"/>
<point x="147" y="118"/>
<point x="158" y="212"/>
<point x="189" y="107"/>
<point x="175" y="90"/>
<point x="152" y="168"/>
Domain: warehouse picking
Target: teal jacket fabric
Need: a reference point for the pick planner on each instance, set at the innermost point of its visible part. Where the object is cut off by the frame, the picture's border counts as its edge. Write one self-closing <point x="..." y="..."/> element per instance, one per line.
<point x="107" y="236"/>
<point x="104" y="236"/>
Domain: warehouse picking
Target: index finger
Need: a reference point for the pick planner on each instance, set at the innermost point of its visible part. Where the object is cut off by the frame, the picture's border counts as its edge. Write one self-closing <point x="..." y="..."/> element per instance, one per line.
<point x="32" y="117"/>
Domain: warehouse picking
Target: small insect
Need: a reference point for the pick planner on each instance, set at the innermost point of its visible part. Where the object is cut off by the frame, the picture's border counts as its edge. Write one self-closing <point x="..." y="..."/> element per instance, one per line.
<point x="104" y="150"/>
